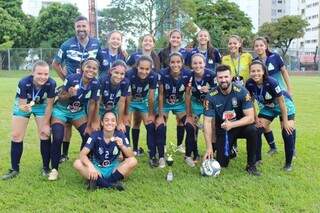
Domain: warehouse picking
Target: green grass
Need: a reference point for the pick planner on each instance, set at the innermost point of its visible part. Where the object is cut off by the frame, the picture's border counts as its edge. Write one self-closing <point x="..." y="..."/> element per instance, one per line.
<point x="147" y="190"/>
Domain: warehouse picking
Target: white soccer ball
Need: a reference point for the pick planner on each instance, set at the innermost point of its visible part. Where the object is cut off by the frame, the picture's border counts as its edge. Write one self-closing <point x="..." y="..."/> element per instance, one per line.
<point x="210" y="167"/>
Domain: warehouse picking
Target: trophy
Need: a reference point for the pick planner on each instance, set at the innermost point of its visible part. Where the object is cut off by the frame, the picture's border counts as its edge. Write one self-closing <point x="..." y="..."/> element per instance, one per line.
<point x="170" y="153"/>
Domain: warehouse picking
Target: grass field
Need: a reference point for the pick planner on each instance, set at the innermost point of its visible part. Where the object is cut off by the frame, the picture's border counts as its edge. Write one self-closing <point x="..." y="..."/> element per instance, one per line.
<point x="147" y="190"/>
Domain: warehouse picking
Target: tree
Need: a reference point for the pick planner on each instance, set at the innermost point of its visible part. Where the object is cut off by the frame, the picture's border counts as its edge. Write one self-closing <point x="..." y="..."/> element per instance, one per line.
<point x="223" y="19"/>
<point x="283" y="31"/>
<point x="54" y="25"/>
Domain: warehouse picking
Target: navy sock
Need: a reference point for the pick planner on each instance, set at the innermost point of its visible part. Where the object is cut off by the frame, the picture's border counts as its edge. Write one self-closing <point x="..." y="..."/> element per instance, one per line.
<point x="180" y="135"/>
<point x="16" y="153"/>
<point x="288" y="145"/>
<point x="160" y="138"/>
<point x="65" y="148"/>
<point x="259" y="144"/>
<point x="195" y="145"/>
<point x="190" y="139"/>
<point x="115" y="176"/>
<point x="135" y="138"/>
<point x="45" y="146"/>
<point x="270" y="139"/>
<point x="151" y="139"/>
<point x="128" y="133"/>
<point x="84" y="137"/>
<point x="55" y="152"/>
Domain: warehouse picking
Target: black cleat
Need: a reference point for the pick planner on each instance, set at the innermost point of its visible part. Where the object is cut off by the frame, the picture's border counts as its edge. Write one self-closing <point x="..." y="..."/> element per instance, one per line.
<point x="92" y="185"/>
<point x="252" y="170"/>
<point x="45" y="172"/>
<point x="63" y="158"/>
<point x="117" y="185"/>
<point x="11" y="174"/>
<point x="234" y="152"/>
<point x="153" y="162"/>
<point x="272" y="151"/>
<point x="287" y="168"/>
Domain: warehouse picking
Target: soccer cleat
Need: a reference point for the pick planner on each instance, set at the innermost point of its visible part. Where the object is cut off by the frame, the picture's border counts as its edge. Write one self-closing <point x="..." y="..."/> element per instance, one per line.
<point x="53" y="175"/>
<point x="258" y="163"/>
<point x="117" y="185"/>
<point x="153" y="162"/>
<point x="252" y="170"/>
<point x="11" y="174"/>
<point x="189" y="161"/>
<point x="287" y="168"/>
<point x="138" y="152"/>
<point x="234" y="152"/>
<point x="181" y="149"/>
<point x="162" y="163"/>
<point x="272" y="151"/>
<point x="45" y="172"/>
<point x="92" y="185"/>
<point x="63" y="158"/>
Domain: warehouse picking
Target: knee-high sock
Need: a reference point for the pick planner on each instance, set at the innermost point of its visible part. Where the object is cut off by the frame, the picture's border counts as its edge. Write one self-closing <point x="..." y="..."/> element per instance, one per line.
<point x="195" y="146"/>
<point x="190" y="139"/>
<point x="270" y="139"/>
<point x="128" y="133"/>
<point x="180" y="135"/>
<point x="151" y="139"/>
<point x="288" y="145"/>
<point x="259" y="144"/>
<point x="135" y="138"/>
<point x="84" y="136"/>
<point x="65" y="147"/>
<point x="45" y="146"/>
<point x="16" y="153"/>
<point x="160" y="139"/>
<point x="55" y="152"/>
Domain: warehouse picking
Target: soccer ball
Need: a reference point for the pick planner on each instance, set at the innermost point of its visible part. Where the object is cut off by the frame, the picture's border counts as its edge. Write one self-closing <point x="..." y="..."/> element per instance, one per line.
<point x="210" y="167"/>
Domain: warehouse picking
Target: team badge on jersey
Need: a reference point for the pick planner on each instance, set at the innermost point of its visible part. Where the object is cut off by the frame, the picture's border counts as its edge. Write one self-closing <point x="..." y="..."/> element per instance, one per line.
<point x="115" y="150"/>
<point x="268" y="96"/>
<point x="270" y="66"/>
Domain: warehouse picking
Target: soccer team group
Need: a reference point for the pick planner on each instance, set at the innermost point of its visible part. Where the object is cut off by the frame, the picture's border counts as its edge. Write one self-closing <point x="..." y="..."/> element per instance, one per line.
<point x="106" y="95"/>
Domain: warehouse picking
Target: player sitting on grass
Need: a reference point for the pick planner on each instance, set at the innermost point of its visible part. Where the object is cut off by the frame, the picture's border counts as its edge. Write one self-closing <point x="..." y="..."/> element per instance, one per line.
<point x="106" y="170"/>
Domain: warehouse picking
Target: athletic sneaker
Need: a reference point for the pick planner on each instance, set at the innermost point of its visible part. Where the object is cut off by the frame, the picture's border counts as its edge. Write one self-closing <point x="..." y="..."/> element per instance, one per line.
<point x="92" y="185"/>
<point x="63" y="158"/>
<point x="45" y="172"/>
<point x="117" y="185"/>
<point x="11" y="174"/>
<point x="258" y="163"/>
<point x="272" y="151"/>
<point x="53" y="175"/>
<point x="287" y="168"/>
<point x="181" y="149"/>
<point x="153" y="162"/>
<point x="189" y="161"/>
<point x="138" y="152"/>
<point x="162" y="163"/>
<point x="252" y="170"/>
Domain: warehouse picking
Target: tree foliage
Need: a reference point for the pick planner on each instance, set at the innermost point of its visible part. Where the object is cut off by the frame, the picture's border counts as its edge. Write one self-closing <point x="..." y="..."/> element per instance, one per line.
<point x="54" y="25"/>
<point x="283" y="31"/>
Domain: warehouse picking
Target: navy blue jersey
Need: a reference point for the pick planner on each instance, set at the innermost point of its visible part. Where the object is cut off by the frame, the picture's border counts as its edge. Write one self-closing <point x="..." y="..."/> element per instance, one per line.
<point x="27" y="90"/>
<point x="140" y="88"/>
<point x="231" y="106"/>
<point x="274" y="63"/>
<point x="72" y="53"/>
<point x="164" y="56"/>
<point x="211" y="59"/>
<point x="267" y="93"/>
<point x="173" y="90"/>
<point x="208" y="80"/>
<point x="111" y="94"/>
<point x="84" y="93"/>
<point x="132" y="60"/>
<point x="106" y="60"/>
<point x="105" y="153"/>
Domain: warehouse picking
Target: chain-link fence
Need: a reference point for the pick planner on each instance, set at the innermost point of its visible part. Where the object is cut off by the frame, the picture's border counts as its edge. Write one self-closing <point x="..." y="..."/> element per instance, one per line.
<point x="23" y="58"/>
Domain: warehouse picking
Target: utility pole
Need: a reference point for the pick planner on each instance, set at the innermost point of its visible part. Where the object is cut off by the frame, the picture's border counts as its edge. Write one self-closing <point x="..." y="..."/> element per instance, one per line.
<point x="92" y="18"/>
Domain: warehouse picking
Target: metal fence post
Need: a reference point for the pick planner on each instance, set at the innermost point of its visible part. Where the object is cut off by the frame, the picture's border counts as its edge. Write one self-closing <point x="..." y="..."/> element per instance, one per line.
<point x="9" y="60"/>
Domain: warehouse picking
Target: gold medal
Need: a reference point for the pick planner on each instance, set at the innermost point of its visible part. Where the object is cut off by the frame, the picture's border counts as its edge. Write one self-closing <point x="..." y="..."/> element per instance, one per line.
<point x="32" y="103"/>
<point x="77" y="86"/>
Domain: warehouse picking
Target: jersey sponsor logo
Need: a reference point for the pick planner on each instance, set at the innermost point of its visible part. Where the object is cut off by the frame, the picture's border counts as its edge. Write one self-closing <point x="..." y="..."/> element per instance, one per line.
<point x="100" y="150"/>
<point x="229" y="115"/>
<point x="74" y="107"/>
<point x="219" y="105"/>
<point x="89" y="140"/>
<point x="88" y="95"/>
<point x="115" y="150"/>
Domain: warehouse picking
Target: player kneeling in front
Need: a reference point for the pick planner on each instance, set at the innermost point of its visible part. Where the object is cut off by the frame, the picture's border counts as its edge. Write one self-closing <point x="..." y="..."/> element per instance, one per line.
<point x="229" y="113"/>
<point x="105" y="170"/>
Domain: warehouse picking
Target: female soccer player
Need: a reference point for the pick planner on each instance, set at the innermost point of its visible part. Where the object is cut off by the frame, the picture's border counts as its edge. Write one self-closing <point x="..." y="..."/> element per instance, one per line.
<point x="173" y="83"/>
<point x="78" y="90"/>
<point x="143" y="83"/>
<point x="202" y="80"/>
<point x="114" y="89"/>
<point x="35" y="95"/>
<point x="211" y="54"/>
<point x="276" y="69"/>
<point x="175" y="42"/>
<point x="105" y="170"/>
<point x="147" y="49"/>
<point x="238" y="60"/>
<point x="273" y="101"/>
<point x="112" y="53"/>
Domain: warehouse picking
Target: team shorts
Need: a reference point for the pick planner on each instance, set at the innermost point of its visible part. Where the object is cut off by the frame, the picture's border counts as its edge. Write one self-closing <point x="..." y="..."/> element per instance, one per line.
<point x="62" y="113"/>
<point x="197" y="108"/>
<point x="270" y="113"/>
<point x="178" y="107"/>
<point x="108" y="170"/>
<point x="37" y="110"/>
